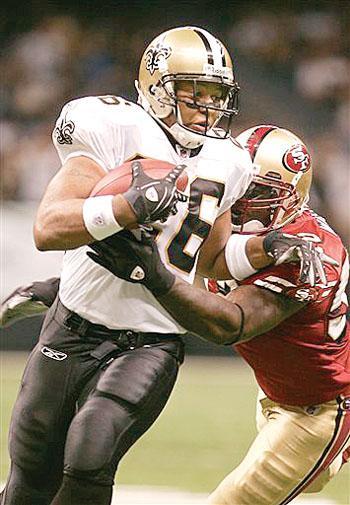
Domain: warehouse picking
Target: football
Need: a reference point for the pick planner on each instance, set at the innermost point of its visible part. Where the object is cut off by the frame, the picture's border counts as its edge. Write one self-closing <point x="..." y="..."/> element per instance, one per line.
<point x="118" y="180"/>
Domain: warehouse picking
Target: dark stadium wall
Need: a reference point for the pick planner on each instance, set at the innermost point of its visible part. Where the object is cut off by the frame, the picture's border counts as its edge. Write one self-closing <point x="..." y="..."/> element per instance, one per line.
<point x="153" y="14"/>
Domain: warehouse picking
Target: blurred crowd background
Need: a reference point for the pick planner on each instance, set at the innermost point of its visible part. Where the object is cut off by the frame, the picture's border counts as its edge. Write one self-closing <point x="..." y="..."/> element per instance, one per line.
<point x="292" y="62"/>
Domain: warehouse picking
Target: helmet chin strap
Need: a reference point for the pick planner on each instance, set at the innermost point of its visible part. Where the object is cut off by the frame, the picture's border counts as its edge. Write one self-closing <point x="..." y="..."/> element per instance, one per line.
<point x="187" y="139"/>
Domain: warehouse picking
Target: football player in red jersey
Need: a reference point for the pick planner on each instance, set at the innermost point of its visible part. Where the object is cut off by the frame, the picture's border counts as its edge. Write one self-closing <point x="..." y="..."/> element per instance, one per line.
<point x="294" y="336"/>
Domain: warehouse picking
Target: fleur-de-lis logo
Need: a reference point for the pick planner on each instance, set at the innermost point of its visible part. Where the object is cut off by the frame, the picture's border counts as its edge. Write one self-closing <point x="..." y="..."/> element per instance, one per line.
<point x="63" y="132"/>
<point x="155" y="56"/>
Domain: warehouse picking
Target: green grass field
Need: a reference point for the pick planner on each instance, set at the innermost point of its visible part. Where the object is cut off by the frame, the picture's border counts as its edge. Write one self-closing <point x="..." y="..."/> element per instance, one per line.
<point x="202" y="434"/>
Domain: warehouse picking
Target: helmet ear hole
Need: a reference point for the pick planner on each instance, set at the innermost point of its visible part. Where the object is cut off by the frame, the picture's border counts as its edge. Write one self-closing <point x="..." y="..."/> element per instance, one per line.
<point x="274" y="175"/>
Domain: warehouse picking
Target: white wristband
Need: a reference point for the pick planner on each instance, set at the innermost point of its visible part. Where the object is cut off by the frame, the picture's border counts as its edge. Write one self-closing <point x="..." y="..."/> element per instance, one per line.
<point x="236" y="259"/>
<point x="99" y="217"/>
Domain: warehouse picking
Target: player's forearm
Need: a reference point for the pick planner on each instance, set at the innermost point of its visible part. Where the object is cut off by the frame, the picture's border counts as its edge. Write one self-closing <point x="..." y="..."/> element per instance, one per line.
<point x="205" y="314"/>
<point x="60" y="225"/>
<point x="246" y="312"/>
<point x="255" y="255"/>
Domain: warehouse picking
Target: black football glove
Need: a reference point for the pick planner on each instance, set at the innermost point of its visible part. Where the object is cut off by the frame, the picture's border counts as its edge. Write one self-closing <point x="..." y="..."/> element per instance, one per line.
<point x="285" y="248"/>
<point x="153" y="199"/>
<point x="133" y="260"/>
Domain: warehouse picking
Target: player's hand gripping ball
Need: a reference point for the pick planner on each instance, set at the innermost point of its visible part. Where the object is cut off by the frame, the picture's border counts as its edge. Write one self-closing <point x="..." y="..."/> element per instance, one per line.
<point x="152" y="188"/>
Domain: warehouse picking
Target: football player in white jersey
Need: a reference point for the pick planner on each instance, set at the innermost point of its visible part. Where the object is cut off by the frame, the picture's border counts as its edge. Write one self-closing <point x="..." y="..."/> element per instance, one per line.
<point x="107" y="348"/>
<point x="109" y="353"/>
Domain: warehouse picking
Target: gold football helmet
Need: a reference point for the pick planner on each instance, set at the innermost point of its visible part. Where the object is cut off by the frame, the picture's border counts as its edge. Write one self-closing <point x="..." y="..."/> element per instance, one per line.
<point x="192" y="55"/>
<point x="280" y="188"/>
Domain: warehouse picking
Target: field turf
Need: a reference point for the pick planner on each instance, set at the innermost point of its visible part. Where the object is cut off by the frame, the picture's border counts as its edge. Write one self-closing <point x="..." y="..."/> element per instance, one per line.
<point x="203" y="433"/>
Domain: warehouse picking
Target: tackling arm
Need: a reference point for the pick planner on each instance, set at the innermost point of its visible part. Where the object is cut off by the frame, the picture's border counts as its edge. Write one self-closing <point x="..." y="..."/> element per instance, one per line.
<point x="246" y="312"/>
<point x="226" y="256"/>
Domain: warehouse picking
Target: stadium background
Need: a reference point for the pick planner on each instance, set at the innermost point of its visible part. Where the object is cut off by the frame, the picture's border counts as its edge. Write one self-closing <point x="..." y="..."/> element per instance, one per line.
<point x="292" y="63"/>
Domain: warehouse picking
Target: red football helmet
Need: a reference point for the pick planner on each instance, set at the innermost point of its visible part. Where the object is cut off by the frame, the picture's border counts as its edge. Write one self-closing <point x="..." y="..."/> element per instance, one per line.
<point x="280" y="189"/>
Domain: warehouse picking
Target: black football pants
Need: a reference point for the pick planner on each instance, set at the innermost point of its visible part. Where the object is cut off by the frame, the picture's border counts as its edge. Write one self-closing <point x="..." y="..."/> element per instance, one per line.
<point x="79" y="410"/>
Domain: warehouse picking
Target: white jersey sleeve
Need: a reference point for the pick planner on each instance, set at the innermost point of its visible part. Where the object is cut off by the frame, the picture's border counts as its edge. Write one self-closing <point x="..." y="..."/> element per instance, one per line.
<point x="240" y="174"/>
<point x="88" y="127"/>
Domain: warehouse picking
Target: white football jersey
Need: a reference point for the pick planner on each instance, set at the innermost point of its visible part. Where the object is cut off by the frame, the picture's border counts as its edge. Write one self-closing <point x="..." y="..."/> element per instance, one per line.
<point x="111" y="130"/>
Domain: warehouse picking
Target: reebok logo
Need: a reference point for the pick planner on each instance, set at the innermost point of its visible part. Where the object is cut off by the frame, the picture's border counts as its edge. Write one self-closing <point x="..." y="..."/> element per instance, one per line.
<point x="152" y="195"/>
<point x="53" y="354"/>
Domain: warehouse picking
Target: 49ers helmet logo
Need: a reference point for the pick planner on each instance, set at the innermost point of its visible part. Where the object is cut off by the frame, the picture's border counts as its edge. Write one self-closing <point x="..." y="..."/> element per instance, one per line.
<point x="297" y="159"/>
<point x="156" y="56"/>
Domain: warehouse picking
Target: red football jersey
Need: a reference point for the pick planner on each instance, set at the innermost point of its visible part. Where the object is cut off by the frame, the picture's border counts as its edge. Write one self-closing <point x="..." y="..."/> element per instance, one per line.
<point x="305" y="359"/>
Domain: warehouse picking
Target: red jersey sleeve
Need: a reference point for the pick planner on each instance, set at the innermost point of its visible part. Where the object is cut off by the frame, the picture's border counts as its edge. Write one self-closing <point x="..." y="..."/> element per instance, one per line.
<point x="284" y="280"/>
